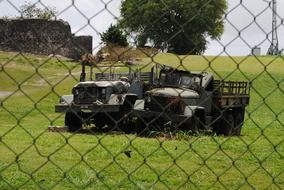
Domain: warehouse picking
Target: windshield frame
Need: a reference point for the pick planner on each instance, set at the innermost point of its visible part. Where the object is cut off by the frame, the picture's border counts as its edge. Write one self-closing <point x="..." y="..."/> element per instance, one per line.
<point x="175" y="79"/>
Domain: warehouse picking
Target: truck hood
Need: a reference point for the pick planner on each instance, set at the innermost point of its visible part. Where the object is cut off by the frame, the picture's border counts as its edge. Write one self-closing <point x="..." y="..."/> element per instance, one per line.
<point x="173" y="92"/>
<point x="102" y="83"/>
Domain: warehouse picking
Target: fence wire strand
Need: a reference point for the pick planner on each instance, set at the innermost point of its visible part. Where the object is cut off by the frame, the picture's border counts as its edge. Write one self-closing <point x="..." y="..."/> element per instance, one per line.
<point x="128" y="150"/>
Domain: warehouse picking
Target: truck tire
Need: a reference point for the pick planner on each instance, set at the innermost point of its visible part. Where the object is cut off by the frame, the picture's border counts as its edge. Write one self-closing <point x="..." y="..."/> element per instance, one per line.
<point x="118" y="122"/>
<point x="114" y="122"/>
<point x="227" y="124"/>
<point x="126" y="123"/>
<point x="99" y="121"/>
<point x="99" y="124"/>
<point x="73" y="122"/>
<point x="126" y="126"/>
<point x="192" y="125"/>
<point x="122" y="124"/>
<point x="141" y="128"/>
<point x="239" y="119"/>
<point x="123" y="119"/>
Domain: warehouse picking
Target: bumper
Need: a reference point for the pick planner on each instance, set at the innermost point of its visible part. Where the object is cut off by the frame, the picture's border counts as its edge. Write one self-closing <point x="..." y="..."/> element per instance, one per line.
<point x="63" y="108"/>
<point x="160" y="115"/>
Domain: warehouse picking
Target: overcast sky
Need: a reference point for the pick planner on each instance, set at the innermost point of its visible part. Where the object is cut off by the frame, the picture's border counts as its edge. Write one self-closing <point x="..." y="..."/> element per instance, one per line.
<point x="252" y="18"/>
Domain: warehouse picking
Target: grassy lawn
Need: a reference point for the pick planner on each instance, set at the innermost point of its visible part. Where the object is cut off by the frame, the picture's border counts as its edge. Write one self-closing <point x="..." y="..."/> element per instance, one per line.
<point x="34" y="158"/>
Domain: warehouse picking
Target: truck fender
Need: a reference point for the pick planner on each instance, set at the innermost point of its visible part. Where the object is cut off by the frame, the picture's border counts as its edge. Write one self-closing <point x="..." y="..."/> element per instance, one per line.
<point x="198" y="111"/>
<point x="139" y="104"/>
<point x="129" y="99"/>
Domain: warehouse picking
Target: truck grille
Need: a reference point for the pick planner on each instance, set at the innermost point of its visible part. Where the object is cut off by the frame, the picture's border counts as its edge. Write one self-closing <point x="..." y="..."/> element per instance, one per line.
<point x="166" y="104"/>
<point x="88" y="95"/>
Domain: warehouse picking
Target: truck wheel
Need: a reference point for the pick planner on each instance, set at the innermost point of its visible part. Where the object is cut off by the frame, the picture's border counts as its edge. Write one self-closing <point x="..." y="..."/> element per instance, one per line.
<point x="141" y="128"/>
<point x="123" y="120"/>
<point x="129" y="125"/>
<point x="239" y="119"/>
<point x="73" y="122"/>
<point x="123" y="125"/>
<point x="99" y="121"/>
<point x="99" y="124"/>
<point x="126" y="124"/>
<point x="114" y="122"/>
<point x="192" y="126"/>
<point x="227" y="124"/>
<point x="196" y="124"/>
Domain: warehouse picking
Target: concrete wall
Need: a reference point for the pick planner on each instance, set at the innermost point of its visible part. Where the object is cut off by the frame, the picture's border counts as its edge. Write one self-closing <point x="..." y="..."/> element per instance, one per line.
<point x="44" y="37"/>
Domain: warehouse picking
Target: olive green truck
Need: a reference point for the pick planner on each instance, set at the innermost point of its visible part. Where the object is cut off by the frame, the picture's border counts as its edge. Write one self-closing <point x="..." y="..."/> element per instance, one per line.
<point x="165" y="98"/>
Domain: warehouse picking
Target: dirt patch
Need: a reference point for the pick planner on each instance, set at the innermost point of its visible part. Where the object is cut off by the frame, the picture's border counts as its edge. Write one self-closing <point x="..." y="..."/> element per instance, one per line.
<point x="57" y="129"/>
<point x="5" y="93"/>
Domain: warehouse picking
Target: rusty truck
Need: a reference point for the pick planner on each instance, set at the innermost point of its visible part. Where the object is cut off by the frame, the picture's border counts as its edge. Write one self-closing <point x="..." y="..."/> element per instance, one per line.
<point x="192" y="101"/>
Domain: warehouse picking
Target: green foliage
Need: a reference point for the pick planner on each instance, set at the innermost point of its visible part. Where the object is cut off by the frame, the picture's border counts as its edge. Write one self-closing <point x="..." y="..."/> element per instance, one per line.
<point x="181" y="26"/>
<point x="30" y="10"/>
<point x="114" y="36"/>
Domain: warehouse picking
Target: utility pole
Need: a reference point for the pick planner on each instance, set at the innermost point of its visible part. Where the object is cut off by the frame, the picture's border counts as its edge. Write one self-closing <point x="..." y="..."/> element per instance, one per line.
<point x="273" y="49"/>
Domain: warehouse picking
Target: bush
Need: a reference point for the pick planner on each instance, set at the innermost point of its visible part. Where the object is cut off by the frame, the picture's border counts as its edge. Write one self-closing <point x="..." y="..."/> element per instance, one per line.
<point x="30" y="10"/>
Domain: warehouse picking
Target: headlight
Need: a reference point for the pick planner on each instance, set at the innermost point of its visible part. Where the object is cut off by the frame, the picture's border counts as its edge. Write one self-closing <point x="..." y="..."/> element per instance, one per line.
<point x="148" y="99"/>
<point x="61" y="101"/>
<point x="76" y="92"/>
<point x="103" y="92"/>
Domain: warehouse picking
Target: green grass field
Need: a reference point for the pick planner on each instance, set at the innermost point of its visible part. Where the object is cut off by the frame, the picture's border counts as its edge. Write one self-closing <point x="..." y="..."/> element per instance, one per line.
<point x="34" y="158"/>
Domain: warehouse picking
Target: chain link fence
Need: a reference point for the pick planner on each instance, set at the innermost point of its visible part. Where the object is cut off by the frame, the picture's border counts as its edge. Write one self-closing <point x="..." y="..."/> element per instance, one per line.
<point x="118" y="145"/>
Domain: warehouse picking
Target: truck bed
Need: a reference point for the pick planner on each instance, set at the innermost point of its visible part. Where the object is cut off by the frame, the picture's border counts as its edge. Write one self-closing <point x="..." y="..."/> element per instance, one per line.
<point x="231" y="93"/>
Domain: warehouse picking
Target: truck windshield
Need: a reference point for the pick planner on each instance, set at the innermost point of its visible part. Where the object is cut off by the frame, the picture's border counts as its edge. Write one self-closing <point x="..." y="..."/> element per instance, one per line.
<point x="185" y="80"/>
<point x="179" y="79"/>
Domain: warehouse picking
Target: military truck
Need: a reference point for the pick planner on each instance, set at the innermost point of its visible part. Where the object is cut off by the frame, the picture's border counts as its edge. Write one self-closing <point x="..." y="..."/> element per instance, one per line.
<point x="192" y="101"/>
<point x="105" y="102"/>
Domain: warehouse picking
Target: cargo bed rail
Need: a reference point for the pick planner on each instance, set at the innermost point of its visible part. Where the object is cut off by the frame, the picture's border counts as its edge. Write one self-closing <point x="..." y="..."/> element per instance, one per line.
<point x="231" y="93"/>
<point x="231" y="87"/>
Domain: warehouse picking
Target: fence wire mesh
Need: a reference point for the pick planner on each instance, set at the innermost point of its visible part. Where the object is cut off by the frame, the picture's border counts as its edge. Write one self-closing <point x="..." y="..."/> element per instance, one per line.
<point x="140" y="125"/>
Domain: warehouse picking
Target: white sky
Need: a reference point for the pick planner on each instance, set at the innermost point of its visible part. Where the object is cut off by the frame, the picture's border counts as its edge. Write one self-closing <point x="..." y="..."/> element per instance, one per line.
<point x="252" y="18"/>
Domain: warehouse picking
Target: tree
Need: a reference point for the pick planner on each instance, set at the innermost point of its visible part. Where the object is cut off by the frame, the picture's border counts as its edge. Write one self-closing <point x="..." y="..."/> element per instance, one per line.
<point x="30" y="10"/>
<point x="180" y="26"/>
<point x="114" y="36"/>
